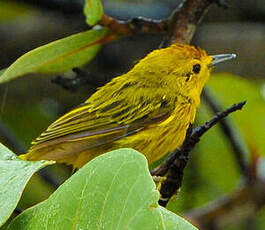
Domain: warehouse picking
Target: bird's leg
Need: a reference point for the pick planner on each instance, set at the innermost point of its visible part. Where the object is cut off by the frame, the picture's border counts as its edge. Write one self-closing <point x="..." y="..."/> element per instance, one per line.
<point x="158" y="181"/>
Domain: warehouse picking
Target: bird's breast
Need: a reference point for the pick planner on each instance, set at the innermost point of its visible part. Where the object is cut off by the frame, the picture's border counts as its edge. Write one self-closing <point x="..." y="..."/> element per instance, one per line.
<point x="167" y="135"/>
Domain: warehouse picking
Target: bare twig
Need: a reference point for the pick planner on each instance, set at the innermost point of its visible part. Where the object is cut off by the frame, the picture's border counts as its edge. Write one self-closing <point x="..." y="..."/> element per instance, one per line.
<point x="240" y="152"/>
<point x="82" y="78"/>
<point x="181" y="26"/>
<point x="181" y="155"/>
<point x="134" y="25"/>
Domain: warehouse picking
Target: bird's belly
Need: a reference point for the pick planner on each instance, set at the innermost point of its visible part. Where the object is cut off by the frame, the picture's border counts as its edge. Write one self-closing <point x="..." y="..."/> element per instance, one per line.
<point x="155" y="142"/>
<point x="162" y="142"/>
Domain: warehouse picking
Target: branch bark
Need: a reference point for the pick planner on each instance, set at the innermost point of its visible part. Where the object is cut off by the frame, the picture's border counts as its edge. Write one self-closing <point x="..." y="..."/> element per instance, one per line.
<point x="240" y="152"/>
<point x="184" y="20"/>
<point x="177" y="160"/>
<point x="134" y="25"/>
<point x="181" y="27"/>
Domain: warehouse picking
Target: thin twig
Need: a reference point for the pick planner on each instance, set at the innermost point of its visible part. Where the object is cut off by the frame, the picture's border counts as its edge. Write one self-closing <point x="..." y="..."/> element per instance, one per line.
<point x="240" y="152"/>
<point x="134" y="25"/>
<point x="82" y="78"/>
<point x="182" y="26"/>
<point x="175" y="169"/>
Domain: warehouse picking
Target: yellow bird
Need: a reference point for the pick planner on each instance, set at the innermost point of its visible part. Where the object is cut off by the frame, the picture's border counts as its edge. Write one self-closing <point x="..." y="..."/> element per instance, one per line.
<point x="148" y="109"/>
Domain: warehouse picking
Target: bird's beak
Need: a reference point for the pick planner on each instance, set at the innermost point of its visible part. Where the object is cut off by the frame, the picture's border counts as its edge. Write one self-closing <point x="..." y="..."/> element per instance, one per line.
<point x="221" y="57"/>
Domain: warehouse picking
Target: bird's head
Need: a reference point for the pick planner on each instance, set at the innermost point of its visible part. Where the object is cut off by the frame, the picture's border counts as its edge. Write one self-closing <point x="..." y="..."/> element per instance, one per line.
<point x="180" y="68"/>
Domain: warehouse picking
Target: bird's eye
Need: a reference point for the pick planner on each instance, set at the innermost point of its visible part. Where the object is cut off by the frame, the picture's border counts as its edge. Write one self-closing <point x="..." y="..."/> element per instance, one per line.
<point x="196" y="68"/>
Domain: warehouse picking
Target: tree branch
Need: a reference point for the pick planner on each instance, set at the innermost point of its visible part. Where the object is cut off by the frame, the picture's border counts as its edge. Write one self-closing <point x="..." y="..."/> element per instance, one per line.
<point x="240" y="152"/>
<point x="182" y="24"/>
<point x="81" y="78"/>
<point x="184" y="20"/>
<point x="181" y="27"/>
<point x="177" y="160"/>
<point x="134" y="25"/>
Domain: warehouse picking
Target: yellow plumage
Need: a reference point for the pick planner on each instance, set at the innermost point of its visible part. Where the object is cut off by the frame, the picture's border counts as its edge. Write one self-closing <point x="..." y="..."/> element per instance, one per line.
<point x="148" y="109"/>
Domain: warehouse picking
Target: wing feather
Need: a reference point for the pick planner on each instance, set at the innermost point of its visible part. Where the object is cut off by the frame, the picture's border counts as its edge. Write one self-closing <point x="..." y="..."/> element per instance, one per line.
<point x="111" y="120"/>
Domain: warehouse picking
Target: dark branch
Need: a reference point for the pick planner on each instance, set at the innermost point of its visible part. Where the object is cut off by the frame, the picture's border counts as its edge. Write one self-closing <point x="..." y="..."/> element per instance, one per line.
<point x="82" y="78"/>
<point x="240" y="152"/>
<point x="180" y="156"/>
<point x="184" y="20"/>
<point x="134" y="25"/>
<point x="182" y="25"/>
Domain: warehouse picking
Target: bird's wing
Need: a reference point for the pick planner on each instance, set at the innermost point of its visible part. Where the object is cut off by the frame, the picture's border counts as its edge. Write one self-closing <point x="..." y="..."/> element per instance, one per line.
<point x="113" y="120"/>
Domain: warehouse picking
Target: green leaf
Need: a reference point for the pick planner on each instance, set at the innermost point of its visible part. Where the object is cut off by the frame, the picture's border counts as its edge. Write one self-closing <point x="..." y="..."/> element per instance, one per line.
<point x="173" y="222"/>
<point x="93" y="11"/>
<point x="58" y="56"/>
<point x="14" y="175"/>
<point x="113" y="191"/>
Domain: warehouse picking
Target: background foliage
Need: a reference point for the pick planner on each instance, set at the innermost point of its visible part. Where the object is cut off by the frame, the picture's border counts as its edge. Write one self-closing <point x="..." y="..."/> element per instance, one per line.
<point x="29" y="104"/>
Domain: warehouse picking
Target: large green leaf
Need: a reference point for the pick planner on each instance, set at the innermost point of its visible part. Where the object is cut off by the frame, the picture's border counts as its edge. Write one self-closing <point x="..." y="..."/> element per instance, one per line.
<point x="113" y="191"/>
<point x="14" y="175"/>
<point x="58" y="56"/>
<point x="93" y="11"/>
<point x="173" y="222"/>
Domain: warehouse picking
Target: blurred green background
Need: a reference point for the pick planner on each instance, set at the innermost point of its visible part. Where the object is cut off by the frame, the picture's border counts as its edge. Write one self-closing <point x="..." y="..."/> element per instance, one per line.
<point x="29" y="104"/>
